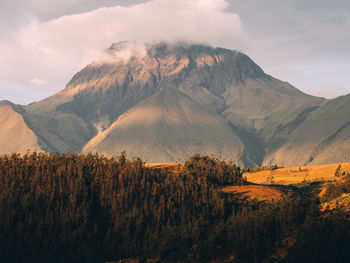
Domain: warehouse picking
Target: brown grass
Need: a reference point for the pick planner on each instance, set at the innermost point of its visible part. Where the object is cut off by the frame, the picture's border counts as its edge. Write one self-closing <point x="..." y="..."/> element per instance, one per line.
<point x="295" y="175"/>
<point x="259" y="192"/>
<point x="162" y="165"/>
<point x="174" y="167"/>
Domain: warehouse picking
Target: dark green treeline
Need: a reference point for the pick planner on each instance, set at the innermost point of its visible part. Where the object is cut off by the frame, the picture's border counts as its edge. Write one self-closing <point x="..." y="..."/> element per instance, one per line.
<point x="88" y="208"/>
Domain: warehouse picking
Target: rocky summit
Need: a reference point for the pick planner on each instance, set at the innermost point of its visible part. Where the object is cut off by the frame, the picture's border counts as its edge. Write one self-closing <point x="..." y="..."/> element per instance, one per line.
<point x="164" y="102"/>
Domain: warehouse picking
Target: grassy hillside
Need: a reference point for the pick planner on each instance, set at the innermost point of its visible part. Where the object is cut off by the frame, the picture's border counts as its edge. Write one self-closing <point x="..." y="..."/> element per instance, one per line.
<point x="168" y="126"/>
<point x="14" y="132"/>
<point x="297" y="174"/>
<point x="323" y="137"/>
<point x="255" y="192"/>
<point x="281" y="176"/>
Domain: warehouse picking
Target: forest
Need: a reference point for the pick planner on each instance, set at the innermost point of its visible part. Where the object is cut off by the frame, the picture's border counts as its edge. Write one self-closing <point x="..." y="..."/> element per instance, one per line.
<point x="90" y="208"/>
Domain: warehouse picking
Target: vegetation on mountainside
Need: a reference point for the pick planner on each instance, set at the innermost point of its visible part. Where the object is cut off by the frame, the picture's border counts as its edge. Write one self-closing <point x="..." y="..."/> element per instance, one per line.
<point x="337" y="189"/>
<point x="89" y="208"/>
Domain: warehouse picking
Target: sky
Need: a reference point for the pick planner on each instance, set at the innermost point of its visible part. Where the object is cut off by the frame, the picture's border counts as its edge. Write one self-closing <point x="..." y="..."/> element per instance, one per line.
<point x="44" y="43"/>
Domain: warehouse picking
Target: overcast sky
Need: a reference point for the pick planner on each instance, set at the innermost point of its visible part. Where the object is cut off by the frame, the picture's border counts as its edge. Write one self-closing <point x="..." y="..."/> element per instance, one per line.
<point x="43" y="43"/>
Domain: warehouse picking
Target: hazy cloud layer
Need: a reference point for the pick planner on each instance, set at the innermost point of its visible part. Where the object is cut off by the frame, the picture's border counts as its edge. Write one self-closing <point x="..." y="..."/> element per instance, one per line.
<point x="56" y="49"/>
<point x="51" y="9"/>
<point x="303" y="42"/>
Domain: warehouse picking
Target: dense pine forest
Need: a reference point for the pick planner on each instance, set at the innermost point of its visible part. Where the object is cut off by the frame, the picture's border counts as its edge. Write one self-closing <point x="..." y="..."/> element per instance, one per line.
<point x="89" y="208"/>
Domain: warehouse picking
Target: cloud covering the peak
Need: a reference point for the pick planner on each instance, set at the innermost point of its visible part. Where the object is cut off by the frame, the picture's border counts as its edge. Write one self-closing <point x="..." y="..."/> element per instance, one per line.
<point x="57" y="48"/>
<point x="203" y="21"/>
<point x="302" y="42"/>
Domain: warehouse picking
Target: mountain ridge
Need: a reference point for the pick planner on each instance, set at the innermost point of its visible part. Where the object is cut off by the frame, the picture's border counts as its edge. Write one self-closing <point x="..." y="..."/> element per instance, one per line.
<point x="264" y="114"/>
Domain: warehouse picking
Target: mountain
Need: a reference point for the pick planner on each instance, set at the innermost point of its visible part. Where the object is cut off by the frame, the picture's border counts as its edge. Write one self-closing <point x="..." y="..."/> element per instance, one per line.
<point x="323" y="137"/>
<point x="15" y="135"/>
<point x="107" y="88"/>
<point x="255" y="118"/>
<point x="173" y="124"/>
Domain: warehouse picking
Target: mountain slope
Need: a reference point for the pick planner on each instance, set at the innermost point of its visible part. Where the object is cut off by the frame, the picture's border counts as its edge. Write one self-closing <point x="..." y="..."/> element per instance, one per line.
<point x="324" y="137"/>
<point x="264" y="104"/>
<point x="15" y="135"/>
<point x="57" y="131"/>
<point x="168" y="127"/>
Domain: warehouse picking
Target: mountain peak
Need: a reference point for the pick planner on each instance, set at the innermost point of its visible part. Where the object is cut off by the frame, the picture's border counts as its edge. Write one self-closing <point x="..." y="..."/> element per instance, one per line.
<point x="110" y="98"/>
<point x="159" y="49"/>
<point x="132" y="71"/>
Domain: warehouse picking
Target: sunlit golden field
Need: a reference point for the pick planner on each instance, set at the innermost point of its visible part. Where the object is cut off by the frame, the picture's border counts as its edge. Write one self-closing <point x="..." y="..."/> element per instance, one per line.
<point x="295" y="175"/>
<point x="259" y="192"/>
<point x="281" y="176"/>
<point x="263" y="185"/>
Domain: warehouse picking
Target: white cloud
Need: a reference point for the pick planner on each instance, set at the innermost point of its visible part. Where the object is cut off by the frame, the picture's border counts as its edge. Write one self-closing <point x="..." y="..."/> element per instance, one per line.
<point x="302" y="42"/>
<point x="203" y="21"/>
<point x="121" y="52"/>
<point x="38" y="81"/>
<point x="58" y="48"/>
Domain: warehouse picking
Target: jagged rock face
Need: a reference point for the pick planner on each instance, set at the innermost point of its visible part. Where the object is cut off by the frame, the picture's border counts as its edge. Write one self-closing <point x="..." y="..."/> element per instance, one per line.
<point x="258" y="119"/>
